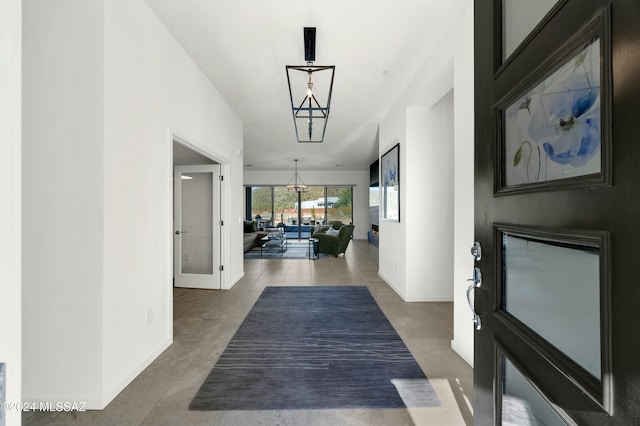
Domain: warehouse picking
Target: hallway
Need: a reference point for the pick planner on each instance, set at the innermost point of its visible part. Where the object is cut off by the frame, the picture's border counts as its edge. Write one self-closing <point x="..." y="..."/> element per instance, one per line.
<point x="205" y="320"/>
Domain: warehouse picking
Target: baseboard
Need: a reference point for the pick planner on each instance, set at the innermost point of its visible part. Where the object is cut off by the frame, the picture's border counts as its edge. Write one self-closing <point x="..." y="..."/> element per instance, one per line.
<point x="234" y="281"/>
<point x="430" y="299"/>
<point x="463" y="351"/>
<point x="96" y="401"/>
<point x="114" y="390"/>
<point x="386" y="280"/>
<point x="74" y="403"/>
<point x="413" y="299"/>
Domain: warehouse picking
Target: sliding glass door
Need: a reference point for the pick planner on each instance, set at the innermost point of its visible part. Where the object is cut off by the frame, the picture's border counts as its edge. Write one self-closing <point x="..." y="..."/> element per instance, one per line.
<point x="340" y="203"/>
<point x="297" y="212"/>
<point x="285" y="206"/>
<point x="260" y="205"/>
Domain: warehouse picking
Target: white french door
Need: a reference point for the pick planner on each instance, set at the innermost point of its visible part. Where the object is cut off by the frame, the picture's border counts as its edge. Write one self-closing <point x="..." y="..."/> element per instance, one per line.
<point x="197" y="226"/>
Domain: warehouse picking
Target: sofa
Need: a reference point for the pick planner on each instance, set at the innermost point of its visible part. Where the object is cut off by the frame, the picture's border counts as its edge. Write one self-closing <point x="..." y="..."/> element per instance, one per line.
<point x="333" y="244"/>
<point x="252" y="237"/>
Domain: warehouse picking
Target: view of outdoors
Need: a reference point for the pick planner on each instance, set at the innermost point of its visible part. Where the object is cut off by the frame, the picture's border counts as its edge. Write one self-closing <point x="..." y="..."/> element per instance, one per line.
<point x="276" y="205"/>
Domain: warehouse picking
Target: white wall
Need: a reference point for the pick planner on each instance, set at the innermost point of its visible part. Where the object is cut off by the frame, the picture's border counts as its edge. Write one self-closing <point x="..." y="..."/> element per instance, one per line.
<point x="62" y="199"/>
<point x="152" y="87"/>
<point x="463" y="184"/>
<point x="450" y="66"/>
<point x="10" y="193"/>
<point x="426" y="179"/>
<point x="358" y="178"/>
<point x="108" y="88"/>
<point x="429" y="175"/>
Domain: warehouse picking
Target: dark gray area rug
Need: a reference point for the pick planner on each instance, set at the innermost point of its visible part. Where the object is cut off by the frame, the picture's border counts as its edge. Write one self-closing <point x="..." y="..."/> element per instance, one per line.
<point x="314" y="348"/>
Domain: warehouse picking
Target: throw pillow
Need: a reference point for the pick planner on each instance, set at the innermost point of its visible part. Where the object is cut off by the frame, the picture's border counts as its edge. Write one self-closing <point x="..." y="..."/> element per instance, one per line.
<point x="250" y="227"/>
<point x="317" y="228"/>
<point x="333" y="232"/>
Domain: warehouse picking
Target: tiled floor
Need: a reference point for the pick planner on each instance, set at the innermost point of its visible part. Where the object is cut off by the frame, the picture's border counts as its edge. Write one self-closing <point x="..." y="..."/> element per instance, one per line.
<point x="205" y="320"/>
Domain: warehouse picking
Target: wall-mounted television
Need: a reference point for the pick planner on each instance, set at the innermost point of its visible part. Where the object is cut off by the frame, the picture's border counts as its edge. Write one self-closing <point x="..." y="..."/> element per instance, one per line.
<point x="374" y="171"/>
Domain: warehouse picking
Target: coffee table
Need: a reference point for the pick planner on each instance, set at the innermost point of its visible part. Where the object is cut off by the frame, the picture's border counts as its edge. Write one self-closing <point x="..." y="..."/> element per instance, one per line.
<point x="274" y="242"/>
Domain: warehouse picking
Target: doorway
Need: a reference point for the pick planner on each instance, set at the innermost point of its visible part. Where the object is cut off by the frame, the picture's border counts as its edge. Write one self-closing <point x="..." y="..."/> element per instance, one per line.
<point x="197" y="219"/>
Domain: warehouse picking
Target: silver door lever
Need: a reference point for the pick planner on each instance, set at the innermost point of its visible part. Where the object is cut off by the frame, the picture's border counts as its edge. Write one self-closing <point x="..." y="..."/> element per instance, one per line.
<point x="476" y="283"/>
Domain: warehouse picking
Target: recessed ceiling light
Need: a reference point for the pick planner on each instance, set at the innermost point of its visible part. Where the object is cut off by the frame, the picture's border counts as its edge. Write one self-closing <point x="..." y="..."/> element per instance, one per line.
<point x="185" y="177"/>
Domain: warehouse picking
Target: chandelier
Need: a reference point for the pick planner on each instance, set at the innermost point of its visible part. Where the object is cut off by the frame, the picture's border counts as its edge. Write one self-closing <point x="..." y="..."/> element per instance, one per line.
<point x="297" y="185"/>
<point x="314" y="87"/>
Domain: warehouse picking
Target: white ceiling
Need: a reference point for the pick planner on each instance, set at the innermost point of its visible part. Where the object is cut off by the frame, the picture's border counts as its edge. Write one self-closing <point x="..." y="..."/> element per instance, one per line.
<point x="243" y="46"/>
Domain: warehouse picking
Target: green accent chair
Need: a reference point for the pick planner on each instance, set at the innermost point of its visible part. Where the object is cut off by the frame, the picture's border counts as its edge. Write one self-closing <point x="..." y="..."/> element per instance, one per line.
<point x="335" y="224"/>
<point x="329" y="244"/>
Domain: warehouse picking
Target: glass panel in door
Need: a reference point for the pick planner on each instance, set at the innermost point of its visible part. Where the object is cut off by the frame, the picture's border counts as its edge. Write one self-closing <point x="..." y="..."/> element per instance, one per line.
<point x="340" y="204"/>
<point x="519" y="17"/>
<point x="521" y="404"/>
<point x="554" y="289"/>
<point x="285" y="206"/>
<point x="197" y="227"/>
<point x="261" y="206"/>
<point x="311" y="210"/>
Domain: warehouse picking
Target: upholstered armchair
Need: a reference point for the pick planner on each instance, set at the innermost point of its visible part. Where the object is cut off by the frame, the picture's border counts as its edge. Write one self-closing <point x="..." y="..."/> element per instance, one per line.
<point x="330" y="244"/>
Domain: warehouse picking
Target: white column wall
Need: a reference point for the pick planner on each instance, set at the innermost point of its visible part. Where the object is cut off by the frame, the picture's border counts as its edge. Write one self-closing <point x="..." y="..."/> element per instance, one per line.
<point x="10" y="193"/>
<point x="106" y="87"/>
<point x="62" y="200"/>
<point x="359" y="178"/>
<point x="463" y="182"/>
<point x="453" y="56"/>
<point x="152" y="89"/>
<point x="430" y="215"/>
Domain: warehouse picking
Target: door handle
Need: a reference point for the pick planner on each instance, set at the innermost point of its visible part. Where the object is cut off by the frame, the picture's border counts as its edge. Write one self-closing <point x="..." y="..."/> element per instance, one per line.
<point x="476" y="251"/>
<point x="180" y="232"/>
<point x="476" y="283"/>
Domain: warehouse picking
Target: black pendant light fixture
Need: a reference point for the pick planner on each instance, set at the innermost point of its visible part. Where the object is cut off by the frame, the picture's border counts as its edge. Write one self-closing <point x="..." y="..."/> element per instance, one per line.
<point x="296" y="184"/>
<point x="311" y="86"/>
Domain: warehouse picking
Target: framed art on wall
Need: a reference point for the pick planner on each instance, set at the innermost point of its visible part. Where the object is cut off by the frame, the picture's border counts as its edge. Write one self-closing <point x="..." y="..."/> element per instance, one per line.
<point x="554" y="129"/>
<point x="390" y="184"/>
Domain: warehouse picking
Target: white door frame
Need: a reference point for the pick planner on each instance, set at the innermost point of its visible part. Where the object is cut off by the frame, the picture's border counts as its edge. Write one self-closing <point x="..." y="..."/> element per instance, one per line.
<point x="197" y="280"/>
<point x="225" y="197"/>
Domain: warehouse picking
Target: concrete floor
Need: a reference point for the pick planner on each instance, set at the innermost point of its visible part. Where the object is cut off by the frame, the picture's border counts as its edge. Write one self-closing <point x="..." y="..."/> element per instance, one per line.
<point x="205" y="320"/>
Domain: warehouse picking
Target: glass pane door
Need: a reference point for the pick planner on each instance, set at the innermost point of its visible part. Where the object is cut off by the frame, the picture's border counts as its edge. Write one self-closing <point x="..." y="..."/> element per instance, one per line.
<point x="197" y="206"/>
<point x="261" y="206"/>
<point x="340" y="203"/>
<point x="285" y="206"/>
<point x="312" y="209"/>
<point x="197" y="226"/>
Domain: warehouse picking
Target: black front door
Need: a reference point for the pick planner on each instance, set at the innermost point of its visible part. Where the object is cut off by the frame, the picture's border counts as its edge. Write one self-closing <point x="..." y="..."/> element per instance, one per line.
<point x="557" y="212"/>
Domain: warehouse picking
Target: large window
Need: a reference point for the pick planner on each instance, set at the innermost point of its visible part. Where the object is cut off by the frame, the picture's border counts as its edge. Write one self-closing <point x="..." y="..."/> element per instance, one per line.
<point x="277" y="206"/>
<point x="340" y="203"/>
<point x="260" y="206"/>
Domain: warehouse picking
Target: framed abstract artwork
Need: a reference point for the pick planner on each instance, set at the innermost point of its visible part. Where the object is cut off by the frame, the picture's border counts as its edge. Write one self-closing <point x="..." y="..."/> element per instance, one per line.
<point x="554" y="129"/>
<point x="390" y="184"/>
